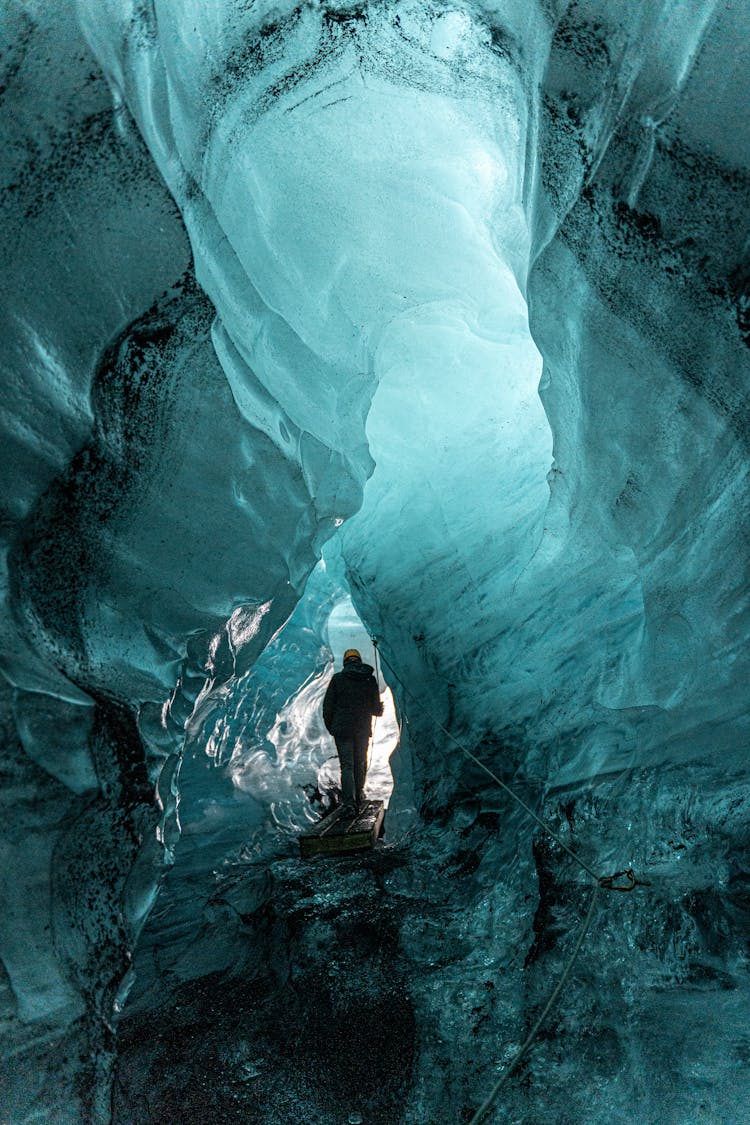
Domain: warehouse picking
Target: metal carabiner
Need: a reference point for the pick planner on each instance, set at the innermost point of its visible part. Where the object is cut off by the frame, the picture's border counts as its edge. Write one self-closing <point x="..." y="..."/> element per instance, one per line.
<point x="607" y="882"/>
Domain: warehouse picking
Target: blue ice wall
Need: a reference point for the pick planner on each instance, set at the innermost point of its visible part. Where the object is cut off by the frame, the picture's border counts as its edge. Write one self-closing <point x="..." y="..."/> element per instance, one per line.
<point x="456" y="294"/>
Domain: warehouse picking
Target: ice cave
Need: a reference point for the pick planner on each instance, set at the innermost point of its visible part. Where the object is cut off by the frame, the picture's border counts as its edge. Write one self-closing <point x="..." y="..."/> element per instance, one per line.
<point x="418" y="320"/>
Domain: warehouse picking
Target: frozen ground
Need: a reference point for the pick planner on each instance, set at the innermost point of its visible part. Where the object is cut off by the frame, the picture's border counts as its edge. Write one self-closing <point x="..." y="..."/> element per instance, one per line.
<point x="432" y="317"/>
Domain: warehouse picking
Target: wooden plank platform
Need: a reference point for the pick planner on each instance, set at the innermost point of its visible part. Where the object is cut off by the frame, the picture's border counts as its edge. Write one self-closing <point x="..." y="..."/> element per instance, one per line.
<point x="342" y="832"/>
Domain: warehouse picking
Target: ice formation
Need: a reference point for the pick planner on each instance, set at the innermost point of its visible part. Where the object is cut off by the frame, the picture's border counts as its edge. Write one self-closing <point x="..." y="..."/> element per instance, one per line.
<point x="424" y="319"/>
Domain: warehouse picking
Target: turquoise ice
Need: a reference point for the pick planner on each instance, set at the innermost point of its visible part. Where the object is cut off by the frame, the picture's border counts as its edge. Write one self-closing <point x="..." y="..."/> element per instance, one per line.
<point x="326" y="321"/>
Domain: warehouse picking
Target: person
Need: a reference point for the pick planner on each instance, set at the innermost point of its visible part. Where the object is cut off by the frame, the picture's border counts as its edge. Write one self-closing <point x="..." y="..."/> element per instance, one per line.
<point x="350" y="701"/>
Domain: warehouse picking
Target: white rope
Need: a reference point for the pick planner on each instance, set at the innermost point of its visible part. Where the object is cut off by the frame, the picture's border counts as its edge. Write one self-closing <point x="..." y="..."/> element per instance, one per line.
<point x="371" y="743"/>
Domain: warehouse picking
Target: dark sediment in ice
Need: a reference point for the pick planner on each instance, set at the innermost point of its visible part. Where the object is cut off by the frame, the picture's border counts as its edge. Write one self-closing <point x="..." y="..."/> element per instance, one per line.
<point x="455" y="297"/>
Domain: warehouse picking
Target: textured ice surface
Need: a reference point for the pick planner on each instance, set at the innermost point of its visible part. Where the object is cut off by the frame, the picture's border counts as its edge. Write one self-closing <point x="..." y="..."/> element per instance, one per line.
<point x="455" y="294"/>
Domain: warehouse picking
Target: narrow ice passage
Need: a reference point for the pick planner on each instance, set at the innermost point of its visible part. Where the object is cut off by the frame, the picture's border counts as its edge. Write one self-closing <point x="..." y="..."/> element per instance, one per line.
<point x="298" y="755"/>
<point x="431" y="317"/>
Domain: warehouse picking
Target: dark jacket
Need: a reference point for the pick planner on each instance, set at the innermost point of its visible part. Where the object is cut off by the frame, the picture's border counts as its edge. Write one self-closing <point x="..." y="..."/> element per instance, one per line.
<point x="351" y="700"/>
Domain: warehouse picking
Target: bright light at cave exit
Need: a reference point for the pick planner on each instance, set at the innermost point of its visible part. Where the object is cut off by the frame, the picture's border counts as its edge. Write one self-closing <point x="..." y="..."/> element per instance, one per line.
<point x="303" y="751"/>
<point x="345" y="630"/>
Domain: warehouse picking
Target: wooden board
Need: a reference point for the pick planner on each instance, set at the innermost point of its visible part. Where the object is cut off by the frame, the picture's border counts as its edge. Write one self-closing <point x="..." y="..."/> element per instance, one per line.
<point x="341" y="831"/>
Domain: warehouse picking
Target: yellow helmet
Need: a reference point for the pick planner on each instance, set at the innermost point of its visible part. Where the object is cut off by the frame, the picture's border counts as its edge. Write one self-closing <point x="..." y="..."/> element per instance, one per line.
<point x="352" y="654"/>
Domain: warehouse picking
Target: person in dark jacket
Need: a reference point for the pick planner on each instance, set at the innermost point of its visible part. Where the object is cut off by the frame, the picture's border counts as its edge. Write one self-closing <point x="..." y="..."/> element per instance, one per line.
<point x="351" y="700"/>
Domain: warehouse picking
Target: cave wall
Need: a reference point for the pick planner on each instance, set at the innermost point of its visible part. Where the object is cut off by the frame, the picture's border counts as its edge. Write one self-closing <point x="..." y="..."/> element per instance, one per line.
<point x="268" y="273"/>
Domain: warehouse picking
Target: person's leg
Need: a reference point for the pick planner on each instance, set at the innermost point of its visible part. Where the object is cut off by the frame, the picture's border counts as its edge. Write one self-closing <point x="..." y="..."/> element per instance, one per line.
<point x="361" y="743"/>
<point x="345" y="751"/>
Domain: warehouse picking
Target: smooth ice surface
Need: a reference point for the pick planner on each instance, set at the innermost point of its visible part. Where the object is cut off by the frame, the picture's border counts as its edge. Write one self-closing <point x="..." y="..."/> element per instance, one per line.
<point x="454" y="298"/>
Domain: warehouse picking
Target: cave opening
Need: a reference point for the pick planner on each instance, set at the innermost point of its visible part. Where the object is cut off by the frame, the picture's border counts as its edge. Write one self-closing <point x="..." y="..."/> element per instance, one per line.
<point x="346" y="630"/>
<point x="273" y="276"/>
<point x="257" y="768"/>
<point x="296" y="742"/>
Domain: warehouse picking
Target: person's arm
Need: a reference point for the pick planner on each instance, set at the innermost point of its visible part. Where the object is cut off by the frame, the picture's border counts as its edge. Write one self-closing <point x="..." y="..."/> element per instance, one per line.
<point x="329" y="704"/>
<point x="376" y="703"/>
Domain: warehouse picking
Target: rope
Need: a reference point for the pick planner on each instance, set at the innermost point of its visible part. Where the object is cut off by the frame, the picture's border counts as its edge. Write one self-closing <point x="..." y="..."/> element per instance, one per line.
<point x="371" y="743"/>
<point x="606" y="882"/>
<point x="377" y="670"/>
<point x="491" y="1098"/>
<point x="603" y="882"/>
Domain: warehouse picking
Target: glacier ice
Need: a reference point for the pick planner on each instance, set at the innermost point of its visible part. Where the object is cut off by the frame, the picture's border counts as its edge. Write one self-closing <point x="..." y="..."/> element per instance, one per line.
<point x="432" y="317"/>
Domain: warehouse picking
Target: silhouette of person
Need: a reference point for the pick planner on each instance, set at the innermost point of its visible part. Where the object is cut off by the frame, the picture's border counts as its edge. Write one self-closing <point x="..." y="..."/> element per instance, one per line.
<point x="350" y="701"/>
